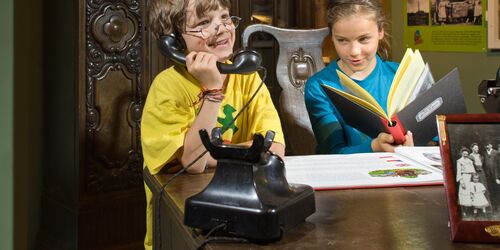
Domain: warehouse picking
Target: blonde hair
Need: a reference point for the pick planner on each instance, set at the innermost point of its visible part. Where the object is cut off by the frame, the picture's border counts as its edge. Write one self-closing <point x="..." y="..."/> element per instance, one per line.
<point x="338" y="9"/>
<point x="169" y="16"/>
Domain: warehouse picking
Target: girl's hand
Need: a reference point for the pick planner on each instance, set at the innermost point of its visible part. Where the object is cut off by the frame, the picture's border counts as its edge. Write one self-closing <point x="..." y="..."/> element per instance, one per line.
<point x="203" y="67"/>
<point x="385" y="142"/>
<point x="408" y="139"/>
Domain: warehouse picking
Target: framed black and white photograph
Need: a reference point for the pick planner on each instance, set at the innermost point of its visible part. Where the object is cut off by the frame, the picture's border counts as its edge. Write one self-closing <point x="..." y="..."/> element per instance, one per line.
<point x="470" y="150"/>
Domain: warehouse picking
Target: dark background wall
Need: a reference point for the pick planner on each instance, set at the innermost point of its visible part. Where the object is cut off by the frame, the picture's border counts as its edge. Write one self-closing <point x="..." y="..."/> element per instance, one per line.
<point x="6" y="131"/>
<point x="28" y="95"/>
<point x="21" y="105"/>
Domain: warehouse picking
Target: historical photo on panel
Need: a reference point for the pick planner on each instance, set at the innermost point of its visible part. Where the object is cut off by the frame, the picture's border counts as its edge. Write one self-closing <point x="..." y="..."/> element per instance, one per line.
<point x="453" y="12"/>
<point x="418" y="12"/>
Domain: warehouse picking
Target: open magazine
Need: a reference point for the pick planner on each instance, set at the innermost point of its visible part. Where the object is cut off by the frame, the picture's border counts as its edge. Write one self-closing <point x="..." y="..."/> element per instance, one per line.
<point x="364" y="170"/>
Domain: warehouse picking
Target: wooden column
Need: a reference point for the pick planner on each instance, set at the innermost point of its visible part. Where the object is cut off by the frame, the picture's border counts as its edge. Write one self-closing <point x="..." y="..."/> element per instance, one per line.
<point x="97" y="66"/>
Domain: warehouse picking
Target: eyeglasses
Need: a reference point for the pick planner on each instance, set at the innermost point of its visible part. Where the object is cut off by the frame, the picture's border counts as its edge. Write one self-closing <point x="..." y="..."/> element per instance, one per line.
<point x="206" y="31"/>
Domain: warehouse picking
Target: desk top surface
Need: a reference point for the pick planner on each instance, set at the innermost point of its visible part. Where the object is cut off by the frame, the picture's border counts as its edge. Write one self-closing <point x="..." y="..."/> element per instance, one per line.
<point x="382" y="218"/>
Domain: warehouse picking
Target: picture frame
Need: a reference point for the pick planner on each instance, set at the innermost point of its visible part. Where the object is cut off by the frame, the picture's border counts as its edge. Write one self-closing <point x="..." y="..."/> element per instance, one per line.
<point x="472" y="188"/>
<point x="492" y="16"/>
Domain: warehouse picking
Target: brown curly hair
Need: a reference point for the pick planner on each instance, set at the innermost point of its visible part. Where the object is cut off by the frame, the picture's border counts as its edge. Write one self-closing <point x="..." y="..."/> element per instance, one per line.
<point x="168" y="16"/>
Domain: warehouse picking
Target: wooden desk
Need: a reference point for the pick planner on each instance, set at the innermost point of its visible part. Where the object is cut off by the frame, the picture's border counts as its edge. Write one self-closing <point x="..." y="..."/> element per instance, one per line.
<point x="383" y="218"/>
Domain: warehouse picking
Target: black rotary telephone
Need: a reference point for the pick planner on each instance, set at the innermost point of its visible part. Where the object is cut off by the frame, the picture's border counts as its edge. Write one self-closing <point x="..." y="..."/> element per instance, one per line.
<point x="244" y="61"/>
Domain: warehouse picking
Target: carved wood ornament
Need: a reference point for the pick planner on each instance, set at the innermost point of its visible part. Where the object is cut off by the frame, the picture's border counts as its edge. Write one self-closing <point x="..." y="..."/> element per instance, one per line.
<point x="113" y="98"/>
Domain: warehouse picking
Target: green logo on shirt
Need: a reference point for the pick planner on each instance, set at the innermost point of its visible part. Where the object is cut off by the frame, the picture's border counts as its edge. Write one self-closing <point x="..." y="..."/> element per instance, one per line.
<point x="228" y="112"/>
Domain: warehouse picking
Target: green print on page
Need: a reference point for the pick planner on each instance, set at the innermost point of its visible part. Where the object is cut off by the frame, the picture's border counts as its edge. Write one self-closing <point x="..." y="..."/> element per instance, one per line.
<point x="405" y="173"/>
<point x="228" y="112"/>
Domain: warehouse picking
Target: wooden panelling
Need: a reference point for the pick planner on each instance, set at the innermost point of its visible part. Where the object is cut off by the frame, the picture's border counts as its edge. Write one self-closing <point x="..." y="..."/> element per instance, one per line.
<point x="98" y="65"/>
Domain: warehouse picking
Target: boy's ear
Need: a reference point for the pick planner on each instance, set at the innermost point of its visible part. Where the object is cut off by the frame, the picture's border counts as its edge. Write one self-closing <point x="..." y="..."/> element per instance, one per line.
<point x="180" y="39"/>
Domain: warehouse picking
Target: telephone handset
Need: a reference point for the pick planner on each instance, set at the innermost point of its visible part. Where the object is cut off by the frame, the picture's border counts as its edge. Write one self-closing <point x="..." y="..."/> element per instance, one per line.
<point x="244" y="61"/>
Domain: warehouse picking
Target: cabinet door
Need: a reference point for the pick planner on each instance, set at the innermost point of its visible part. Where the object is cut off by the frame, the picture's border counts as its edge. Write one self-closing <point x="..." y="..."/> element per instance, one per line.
<point x="111" y="98"/>
<point x="113" y="92"/>
<point x="96" y="78"/>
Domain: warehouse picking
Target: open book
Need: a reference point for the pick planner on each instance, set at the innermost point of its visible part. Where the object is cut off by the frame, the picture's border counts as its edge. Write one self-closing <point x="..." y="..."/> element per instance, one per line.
<point x="365" y="170"/>
<point x="427" y="155"/>
<point x="414" y="100"/>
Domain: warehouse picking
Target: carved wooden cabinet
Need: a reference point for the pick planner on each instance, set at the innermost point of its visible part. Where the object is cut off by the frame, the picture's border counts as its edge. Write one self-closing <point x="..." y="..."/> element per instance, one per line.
<point x="98" y="67"/>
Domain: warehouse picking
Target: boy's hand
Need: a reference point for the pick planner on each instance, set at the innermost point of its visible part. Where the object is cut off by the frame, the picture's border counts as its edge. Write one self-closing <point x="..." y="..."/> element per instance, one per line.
<point x="203" y="67"/>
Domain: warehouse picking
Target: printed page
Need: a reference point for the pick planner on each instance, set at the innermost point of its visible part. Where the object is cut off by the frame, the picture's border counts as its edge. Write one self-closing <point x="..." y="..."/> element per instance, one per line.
<point x="367" y="170"/>
<point x="428" y="156"/>
<point x="403" y="65"/>
<point x="425" y="82"/>
<point x="358" y="91"/>
<point x="375" y="109"/>
<point x="399" y="99"/>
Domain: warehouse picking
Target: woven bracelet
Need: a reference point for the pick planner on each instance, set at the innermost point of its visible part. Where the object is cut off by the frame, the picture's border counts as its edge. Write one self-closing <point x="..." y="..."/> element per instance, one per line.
<point x="213" y="97"/>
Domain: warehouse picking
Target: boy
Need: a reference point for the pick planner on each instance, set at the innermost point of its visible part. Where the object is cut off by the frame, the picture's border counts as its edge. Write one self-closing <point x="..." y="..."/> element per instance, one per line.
<point x="184" y="99"/>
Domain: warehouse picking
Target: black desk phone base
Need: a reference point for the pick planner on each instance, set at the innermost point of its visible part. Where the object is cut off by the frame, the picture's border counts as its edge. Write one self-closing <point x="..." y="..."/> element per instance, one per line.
<point x="249" y="192"/>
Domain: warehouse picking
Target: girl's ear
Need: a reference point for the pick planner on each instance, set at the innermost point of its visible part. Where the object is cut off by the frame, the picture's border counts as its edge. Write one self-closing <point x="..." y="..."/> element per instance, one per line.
<point x="381" y="33"/>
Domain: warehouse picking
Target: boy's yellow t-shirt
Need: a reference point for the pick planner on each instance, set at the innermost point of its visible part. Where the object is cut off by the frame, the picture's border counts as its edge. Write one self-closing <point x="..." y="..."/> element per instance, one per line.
<point x="171" y="107"/>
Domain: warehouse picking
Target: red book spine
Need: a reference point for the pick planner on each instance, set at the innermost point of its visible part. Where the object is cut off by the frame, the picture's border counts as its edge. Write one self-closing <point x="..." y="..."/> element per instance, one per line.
<point x="397" y="129"/>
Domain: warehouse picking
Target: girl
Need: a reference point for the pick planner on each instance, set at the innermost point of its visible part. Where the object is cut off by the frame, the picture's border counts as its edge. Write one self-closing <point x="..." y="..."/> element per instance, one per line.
<point x="478" y="190"/>
<point x="358" y="33"/>
<point x="186" y="98"/>
<point x="465" y="166"/>
<point x="465" y="170"/>
<point x="442" y="12"/>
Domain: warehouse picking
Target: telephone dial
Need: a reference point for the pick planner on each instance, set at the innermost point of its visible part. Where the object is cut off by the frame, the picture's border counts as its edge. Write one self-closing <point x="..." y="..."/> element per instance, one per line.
<point x="244" y="61"/>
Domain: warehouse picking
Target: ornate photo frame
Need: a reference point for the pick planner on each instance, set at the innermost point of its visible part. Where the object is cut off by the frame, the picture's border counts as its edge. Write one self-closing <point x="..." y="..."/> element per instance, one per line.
<point x="471" y="168"/>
